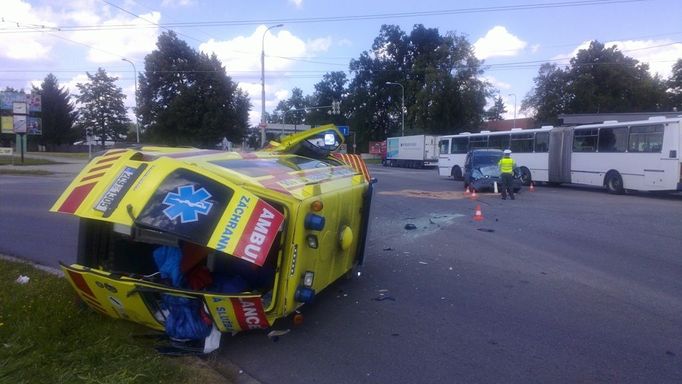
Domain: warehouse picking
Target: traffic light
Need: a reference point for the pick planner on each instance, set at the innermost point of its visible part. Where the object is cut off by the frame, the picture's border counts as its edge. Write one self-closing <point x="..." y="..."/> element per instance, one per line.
<point x="336" y="107"/>
<point x="88" y="131"/>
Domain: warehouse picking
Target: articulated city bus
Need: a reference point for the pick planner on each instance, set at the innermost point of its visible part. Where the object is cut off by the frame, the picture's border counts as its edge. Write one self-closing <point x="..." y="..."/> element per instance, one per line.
<point x="635" y="155"/>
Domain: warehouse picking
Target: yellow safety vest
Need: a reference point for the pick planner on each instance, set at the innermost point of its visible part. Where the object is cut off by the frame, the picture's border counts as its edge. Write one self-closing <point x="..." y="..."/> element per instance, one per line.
<point x="506" y="165"/>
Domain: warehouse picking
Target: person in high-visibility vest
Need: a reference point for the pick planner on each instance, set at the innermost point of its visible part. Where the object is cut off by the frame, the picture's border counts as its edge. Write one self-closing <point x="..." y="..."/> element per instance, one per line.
<point x="507" y="165"/>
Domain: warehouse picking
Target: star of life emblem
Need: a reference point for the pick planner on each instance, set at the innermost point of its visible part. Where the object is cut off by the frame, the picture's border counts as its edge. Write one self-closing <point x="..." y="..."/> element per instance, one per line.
<point x="187" y="203"/>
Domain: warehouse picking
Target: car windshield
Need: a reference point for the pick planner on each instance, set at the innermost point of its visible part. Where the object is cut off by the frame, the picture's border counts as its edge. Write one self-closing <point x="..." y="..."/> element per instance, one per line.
<point x="485" y="164"/>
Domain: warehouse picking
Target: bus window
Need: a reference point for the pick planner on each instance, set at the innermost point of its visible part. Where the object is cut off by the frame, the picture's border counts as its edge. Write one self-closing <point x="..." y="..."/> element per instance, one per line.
<point x="444" y="146"/>
<point x="478" y="142"/>
<point x="613" y="139"/>
<point x="522" y="142"/>
<point x="459" y="145"/>
<point x="585" y="140"/>
<point x="542" y="142"/>
<point x="498" y="141"/>
<point x="646" y="138"/>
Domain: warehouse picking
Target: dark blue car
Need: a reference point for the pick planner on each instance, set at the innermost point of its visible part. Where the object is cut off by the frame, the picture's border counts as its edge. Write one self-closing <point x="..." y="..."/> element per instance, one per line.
<point x="481" y="170"/>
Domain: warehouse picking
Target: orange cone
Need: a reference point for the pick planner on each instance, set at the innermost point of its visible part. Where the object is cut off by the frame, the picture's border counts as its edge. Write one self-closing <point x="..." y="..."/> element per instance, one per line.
<point x="473" y="193"/>
<point x="478" y="215"/>
<point x="532" y="187"/>
<point x="466" y="190"/>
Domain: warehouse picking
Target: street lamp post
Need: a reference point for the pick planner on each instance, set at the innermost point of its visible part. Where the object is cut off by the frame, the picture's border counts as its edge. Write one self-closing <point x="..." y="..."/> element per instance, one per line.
<point x="402" y="105"/>
<point x="514" y="94"/>
<point x="137" y="123"/>
<point x="262" y="83"/>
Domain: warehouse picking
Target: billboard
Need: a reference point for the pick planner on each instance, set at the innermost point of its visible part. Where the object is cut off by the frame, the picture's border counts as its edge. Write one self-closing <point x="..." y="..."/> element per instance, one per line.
<point x="20" y="113"/>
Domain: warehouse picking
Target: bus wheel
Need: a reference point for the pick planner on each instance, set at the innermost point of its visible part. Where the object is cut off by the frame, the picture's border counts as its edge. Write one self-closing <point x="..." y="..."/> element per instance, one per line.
<point x="526" y="178"/>
<point x="614" y="183"/>
<point x="456" y="173"/>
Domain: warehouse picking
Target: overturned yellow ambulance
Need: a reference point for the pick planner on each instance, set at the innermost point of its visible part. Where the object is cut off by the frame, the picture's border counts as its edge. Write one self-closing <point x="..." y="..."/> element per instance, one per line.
<point x="194" y="242"/>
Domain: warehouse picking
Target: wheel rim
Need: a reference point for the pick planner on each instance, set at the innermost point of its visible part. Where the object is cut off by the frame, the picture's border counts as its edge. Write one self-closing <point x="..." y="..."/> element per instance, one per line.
<point x="615" y="184"/>
<point x="525" y="177"/>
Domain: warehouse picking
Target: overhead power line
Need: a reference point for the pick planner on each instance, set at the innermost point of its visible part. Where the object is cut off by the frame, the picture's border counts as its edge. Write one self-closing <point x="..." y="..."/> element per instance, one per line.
<point x="360" y="17"/>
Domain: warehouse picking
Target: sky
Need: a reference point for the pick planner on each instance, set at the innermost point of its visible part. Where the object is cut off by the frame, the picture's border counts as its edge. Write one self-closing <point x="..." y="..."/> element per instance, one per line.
<point x="513" y="37"/>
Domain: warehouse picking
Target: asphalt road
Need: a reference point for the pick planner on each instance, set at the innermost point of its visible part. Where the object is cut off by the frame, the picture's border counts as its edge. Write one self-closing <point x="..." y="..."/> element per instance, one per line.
<point x="27" y="229"/>
<point x="563" y="284"/>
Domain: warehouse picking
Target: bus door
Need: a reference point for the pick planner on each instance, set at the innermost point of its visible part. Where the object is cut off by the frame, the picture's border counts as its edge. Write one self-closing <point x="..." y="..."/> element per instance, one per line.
<point x="560" y="149"/>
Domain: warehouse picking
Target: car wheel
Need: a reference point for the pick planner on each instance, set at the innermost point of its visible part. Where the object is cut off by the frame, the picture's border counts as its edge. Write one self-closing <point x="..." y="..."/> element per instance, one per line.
<point x="526" y="178"/>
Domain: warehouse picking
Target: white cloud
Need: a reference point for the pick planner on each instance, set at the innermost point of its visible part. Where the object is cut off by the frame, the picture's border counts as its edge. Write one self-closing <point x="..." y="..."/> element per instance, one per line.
<point x="21" y="16"/>
<point x="241" y="58"/>
<point x="243" y="53"/>
<point x="319" y="45"/>
<point x="71" y="84"/>
<point x="177" y="3"/>
<point x="661" y="55"/>
<point x="498" y="42"/>
<point x="111" y="45"/>
<point x="344" y="43"/>
<point x="282" y="94"/>
<point x="497" y="83"/>
<point x="297" y="3"/>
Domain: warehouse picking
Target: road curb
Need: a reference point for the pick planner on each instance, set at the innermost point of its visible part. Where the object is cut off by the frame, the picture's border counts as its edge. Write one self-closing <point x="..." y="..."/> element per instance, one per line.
<point x="45" y="268"/>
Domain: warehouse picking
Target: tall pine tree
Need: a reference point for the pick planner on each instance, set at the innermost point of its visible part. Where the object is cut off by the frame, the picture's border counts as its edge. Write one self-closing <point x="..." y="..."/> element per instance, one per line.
<point x="58" y="113"/>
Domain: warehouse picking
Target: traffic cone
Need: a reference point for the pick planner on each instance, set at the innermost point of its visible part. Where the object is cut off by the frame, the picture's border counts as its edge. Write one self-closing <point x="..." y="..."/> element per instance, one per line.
<point x="532" y="187"/>
<point x="473" y="194"/>
<point x="478" y="215"/>
<point x="466" y="190"/>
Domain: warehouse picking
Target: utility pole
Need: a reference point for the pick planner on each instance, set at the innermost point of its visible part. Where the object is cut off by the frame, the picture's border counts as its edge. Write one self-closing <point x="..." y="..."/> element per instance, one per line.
<point x="262" y="83"/>
<point x="514" y="94"/>
<point x="137" y="123"/>
<point x="402" y="105"/>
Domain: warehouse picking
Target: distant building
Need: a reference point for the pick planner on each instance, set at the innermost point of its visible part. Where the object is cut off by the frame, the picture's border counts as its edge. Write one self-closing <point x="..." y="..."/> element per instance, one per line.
<point x="596" y="118"/>
<point x="506" y="125"/>
<point x="285" y="129"/>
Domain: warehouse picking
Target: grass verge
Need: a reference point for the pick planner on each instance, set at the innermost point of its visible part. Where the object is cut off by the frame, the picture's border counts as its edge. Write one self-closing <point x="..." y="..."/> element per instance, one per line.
<point x="66" y="155"/>
<point x="7" y="160"/>
<point x="47" y="337"/>
<point x="29" y="172"/>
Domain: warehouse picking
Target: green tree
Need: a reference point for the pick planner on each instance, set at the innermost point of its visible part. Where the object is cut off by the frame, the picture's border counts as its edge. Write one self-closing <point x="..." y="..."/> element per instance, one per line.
<point x="675" y="87"/>
<point x="597" y="80"/>
<point x="58" y="113"/>
<point x="100" y="107"/>
<point x="548" y="98"/>
<point x="440" y="75"/>
<point x="292" y="110"/>
<point x="331" y="88"/>
<point x="496" y="111"/>
<point x="186" y="97"/>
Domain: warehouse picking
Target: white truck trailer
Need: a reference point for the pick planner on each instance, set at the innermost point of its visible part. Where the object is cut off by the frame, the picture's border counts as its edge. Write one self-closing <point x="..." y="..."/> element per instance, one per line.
<point x="417" y="151"/>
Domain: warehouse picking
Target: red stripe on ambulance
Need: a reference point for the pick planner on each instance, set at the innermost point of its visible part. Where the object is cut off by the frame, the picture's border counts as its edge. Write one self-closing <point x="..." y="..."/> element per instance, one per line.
<point x="76" y="197"/>
<point x="250" y="313"/>
<point x="259" y="233"/>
